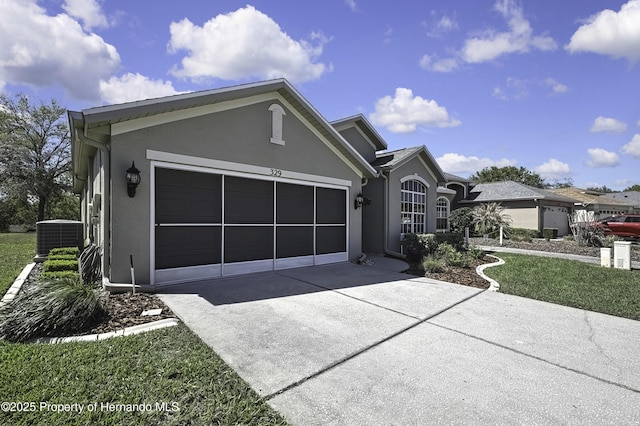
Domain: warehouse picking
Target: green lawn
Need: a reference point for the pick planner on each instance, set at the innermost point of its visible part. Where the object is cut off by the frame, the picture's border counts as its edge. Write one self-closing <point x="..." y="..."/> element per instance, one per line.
<point x="16" y="250"/>
<point x="171" y="367"/>
<point x="570" y="283"/>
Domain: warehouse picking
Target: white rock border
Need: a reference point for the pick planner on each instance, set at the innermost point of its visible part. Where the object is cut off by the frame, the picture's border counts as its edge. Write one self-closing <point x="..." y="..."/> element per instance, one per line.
<point x="494" y="285"/>
<point x="128" y="331"/>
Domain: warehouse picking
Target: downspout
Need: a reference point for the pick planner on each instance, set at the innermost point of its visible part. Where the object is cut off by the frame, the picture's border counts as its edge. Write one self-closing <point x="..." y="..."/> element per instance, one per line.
<point x="106" y="201"/>
<point x="386" y="219"/>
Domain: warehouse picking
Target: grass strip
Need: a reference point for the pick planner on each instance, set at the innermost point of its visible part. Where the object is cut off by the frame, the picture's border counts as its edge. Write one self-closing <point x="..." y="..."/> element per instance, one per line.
<point x="178" y="379"/>
<point x="16" y="250"/>
<point x="570" y="283"/>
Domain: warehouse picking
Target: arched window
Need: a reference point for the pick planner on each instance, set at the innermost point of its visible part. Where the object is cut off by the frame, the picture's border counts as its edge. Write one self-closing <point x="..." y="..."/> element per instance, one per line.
<point x="413" y="207"/>
<point x="442" y="214"/>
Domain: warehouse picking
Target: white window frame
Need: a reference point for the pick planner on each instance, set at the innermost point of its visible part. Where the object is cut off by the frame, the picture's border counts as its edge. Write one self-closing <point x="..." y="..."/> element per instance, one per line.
<point x="442" y="212"/>
<point x="413" y="206"/>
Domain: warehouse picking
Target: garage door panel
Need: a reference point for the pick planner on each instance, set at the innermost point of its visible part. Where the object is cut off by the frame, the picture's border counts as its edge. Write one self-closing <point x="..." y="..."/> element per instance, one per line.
<point x="294" y="204"/>
<point x="331" y="239"/>
<point x="187" y="197"/>
<point x="245" y="243"/>
<point x="331" y="206"/>
<point x="187" y="246"/>
<point x="248" y="201"/>
<point x="293" y="241"/>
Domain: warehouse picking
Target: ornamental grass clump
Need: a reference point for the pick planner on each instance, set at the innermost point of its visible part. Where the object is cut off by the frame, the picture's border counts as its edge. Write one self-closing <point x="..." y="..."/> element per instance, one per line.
<point x="55" y="307"/>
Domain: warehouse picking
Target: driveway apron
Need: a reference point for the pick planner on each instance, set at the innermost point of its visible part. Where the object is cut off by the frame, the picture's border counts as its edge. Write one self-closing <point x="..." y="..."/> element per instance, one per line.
<point x="349" y="344"/>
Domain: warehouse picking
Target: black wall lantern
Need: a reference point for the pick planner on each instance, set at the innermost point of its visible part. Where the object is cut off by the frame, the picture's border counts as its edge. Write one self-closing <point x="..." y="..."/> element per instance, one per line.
<point x="133" y="179"/>
<point x="359" y="201"/>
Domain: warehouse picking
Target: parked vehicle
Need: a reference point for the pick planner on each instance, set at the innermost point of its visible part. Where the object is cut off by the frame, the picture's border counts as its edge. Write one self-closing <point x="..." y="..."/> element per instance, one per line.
<point x="626" y="225"/>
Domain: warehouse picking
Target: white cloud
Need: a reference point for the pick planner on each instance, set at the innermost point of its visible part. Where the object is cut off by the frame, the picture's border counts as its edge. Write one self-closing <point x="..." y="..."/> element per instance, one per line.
<point x="599" y="157"/>
<point x="458" y="163"/>
<point x="41" y="50"/>
<point x="244" y="44"/>
<point x="352" y="5"/>
<point x="611" y="33"/>
<point x="607" y="124"/>
<point x="555" y="86"/>
<point x="440" y="65"/>
<point x="88" y="11"/>
<point x="553" y="169"/>
<point x="633" y="147"/>
<point x="519" y="38"/>
<point x="404" y="112"/>
<point x="134" y="87"/>
<point x="514" y="88"/>
<point x="438" y="27"/>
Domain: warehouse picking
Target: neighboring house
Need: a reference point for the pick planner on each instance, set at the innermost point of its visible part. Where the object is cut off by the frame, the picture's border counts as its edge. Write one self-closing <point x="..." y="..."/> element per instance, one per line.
<point x="528" y="207"/>
<point x="242" y="179"/>
<point x="633" y="197"/>
<point x="602" y="205"/>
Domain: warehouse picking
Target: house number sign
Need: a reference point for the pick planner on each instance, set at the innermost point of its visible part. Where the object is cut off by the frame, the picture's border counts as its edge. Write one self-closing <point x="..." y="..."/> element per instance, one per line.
<point x="276" y="172"/>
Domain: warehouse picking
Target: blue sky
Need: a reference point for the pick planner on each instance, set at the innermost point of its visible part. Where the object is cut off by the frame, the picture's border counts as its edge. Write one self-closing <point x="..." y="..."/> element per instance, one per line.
<point x="551" y="86"/>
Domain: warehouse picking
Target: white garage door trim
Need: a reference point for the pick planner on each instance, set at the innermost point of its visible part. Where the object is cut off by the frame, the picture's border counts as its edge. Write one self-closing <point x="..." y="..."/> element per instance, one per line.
<point x="191" y="273"/>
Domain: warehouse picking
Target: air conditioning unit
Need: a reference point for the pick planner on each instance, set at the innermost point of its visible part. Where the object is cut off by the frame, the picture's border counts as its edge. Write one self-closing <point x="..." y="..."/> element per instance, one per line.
<point x="57" y="233"/>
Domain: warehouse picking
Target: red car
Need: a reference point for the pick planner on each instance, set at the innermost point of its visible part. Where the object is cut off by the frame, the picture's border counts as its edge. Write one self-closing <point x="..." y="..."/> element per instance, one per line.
<point x="626" y="225"/>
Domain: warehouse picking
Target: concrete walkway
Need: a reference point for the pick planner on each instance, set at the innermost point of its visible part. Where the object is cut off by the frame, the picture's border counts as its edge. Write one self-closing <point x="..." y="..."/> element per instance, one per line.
<point x="349" y="345"/>
<point x="568" y="256"/>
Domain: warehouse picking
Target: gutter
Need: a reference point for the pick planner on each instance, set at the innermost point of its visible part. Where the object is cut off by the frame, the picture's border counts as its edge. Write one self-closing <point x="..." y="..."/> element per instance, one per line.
<point x="386" y="220"/>
<point x="106" y="200"/>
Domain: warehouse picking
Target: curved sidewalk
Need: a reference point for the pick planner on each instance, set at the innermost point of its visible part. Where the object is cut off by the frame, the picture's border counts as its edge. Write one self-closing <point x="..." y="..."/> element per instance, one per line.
<point x="586" y="259"/>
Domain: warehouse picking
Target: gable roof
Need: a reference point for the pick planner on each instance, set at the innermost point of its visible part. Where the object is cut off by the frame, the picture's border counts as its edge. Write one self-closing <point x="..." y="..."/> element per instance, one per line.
<point x="95" y="123"/>
<point x="511" y="191"/>
<point x="359" y="121"/>
<point x="632" y="197"/>
<point x="390" y="160"/>
<point x="455" y="178"/>
<point x="590" y="197"/>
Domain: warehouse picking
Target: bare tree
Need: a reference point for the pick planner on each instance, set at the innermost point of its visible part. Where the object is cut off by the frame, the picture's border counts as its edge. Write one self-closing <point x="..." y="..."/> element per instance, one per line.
<point x="35" y="150"/>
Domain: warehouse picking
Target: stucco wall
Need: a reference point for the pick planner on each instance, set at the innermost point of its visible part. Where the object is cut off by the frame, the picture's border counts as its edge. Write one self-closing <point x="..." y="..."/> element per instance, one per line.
<point x="373" y="217"/>
<point x="414" y="167"/>
<point x="239" y="135"/>
<point x="356" y="140"/>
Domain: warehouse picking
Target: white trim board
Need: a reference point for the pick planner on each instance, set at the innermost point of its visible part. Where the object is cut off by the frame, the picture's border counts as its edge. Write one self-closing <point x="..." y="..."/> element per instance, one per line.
<point x="197" y="163"/>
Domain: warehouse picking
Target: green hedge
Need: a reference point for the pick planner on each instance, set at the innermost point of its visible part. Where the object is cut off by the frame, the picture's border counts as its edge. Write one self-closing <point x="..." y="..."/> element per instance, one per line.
<point x="64" y="250"/>
<point x="60" y="265"/>
<point x="550" y="233"/>
<point x="523" y="234"/>
<point x="62" y="257"/>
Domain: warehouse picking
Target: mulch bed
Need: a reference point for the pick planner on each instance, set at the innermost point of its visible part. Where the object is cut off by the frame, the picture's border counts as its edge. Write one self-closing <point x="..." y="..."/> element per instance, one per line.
<point x="458" y="275"/>
<point x="122" y="309"/>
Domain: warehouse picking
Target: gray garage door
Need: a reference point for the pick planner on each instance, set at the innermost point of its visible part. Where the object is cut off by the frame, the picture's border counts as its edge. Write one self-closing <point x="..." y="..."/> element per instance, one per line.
<point x="209" y="224"/>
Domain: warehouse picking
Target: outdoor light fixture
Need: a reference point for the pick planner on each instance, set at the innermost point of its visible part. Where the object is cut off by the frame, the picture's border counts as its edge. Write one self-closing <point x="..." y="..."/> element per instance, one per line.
<point x="133" y="179"/>
<point x="359" y="201"/>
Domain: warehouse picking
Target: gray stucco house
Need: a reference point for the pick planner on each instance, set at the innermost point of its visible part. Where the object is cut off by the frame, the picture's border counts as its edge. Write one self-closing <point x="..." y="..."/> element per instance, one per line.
<point x="529" y="207"/>
<point x="242" y="179"/>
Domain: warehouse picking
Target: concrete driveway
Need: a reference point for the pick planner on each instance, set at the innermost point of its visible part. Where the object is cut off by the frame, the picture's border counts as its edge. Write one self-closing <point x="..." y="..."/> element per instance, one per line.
<point x="349" y="345"/>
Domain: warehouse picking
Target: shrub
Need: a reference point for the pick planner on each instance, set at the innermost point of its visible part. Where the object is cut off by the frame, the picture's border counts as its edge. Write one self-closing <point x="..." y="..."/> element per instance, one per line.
<point x="522" y="234"/>
<point x="475" y="252"/>
<point x="90" y="264"/>
<point x="588" y="234"/>
<point x="454" y="239"/>
<point x="65" y="250"/>
<point x="433" y="264"/>
<point x="60" y="265"/>
<point x="50" y="308"/>
<point x="550" y="233"/>
<point x="460" y="219"/>
<point x="489" y="217"/>
<point x="429" y="242"/>
<point x="62" y="257"/>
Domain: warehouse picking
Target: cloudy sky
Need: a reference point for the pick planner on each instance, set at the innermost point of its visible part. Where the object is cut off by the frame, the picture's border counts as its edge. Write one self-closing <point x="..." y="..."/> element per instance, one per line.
<point x="553" y="86"/>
